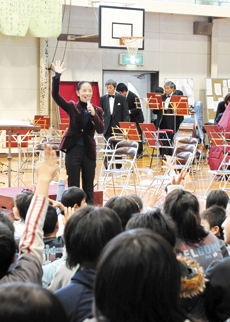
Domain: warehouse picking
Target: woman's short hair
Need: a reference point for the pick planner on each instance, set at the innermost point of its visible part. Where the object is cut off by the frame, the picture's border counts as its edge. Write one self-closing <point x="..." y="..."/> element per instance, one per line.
<point x="86" y="233"/>
<point x="72" y="196"/>
<point x="22" y="201"/>
<point x="138" y="279"/>
<point x="155" y="221"/>
<point x="124" y="206"/>
<point x="217" y="197"/>
<point x="26" y="302"/>
<point x="79" y="85"/>
<point x="183" y="208"/>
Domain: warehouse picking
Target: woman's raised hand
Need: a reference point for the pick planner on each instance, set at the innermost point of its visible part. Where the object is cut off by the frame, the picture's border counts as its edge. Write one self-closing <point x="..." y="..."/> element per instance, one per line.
<point x="58" y="68"/>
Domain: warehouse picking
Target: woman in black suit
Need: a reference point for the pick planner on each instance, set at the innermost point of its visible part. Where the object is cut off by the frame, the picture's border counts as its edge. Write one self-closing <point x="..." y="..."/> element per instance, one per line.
<point x="78" y="142"/>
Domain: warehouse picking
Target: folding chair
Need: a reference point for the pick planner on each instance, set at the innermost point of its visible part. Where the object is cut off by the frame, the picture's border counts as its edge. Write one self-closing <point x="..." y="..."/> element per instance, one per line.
<point x="180" y="158"/>
<point x="101" y="148"/>
<point x="109" y="149"/>
<point x="127" y="151"/>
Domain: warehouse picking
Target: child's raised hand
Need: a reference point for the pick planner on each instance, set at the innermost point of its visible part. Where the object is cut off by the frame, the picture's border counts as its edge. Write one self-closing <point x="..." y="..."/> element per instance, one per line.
<point x="153" y="198"/>
<point x="168" y="162"/>
<point x="68" y="213"/>
<point x="63" y="176"/>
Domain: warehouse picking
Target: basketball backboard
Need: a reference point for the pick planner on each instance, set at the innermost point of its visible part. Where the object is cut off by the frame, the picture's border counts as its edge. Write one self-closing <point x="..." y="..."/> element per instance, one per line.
<point x="116" y="22"/>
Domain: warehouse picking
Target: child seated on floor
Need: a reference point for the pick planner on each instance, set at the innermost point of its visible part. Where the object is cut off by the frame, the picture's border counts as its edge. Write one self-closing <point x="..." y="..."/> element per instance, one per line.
<point x="58" y="275"/>
<point x="53" y="245"/>
<point x="22" y="202"/>
<point x="192" y="275"/>
<point x="212" y="219"/>
<point x="124" y="206"/>
<point x="72" y="197"/>
<point x="86" y="233"/>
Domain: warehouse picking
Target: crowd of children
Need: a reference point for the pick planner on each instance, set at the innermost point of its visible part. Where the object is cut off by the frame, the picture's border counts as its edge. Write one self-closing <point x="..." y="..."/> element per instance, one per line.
<point x="65" y="261"/>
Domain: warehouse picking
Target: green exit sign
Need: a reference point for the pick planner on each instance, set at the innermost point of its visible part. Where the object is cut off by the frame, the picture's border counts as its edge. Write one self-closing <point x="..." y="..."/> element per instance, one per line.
<point x="126" y="59"/>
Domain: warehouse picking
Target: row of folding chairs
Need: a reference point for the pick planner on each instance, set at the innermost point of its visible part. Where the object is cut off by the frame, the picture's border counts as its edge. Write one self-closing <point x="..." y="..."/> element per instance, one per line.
<point x="183" y="157"/>
<point x="121" y="171"/>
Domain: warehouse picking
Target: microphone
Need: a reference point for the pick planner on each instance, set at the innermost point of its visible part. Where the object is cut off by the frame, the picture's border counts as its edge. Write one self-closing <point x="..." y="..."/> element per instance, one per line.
<point x="88" y="101"/>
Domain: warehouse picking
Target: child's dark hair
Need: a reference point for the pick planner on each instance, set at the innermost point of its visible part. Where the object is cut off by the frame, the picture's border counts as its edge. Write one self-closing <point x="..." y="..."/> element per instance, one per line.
<point x="125" y="207"/>
<point x="137" y="199"/>
<point x="138" y="279"/>
<point x="183" y="208"/>
<point x="7" y="248"/>
<point x="50" y="220"/>
<point x="72" y="196"/>
<point x="217" y="197"/>
<point x="6" y="219"/>
<point x="215" y="216"/>
<point x="86" y="233"/>
<point x="26" y="302"/>
<point x="22" y="201"/>
<point x="155" y="221"/>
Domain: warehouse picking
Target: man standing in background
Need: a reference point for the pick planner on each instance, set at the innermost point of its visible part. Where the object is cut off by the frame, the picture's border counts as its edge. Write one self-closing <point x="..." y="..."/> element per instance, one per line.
<point x="135" y="111"/>
<point x="115" y="109"/>
<point x="166" y="121"/>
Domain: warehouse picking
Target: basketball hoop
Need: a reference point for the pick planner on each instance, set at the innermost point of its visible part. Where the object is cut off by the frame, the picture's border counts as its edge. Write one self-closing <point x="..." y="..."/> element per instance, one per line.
<point x="132" y="44"/>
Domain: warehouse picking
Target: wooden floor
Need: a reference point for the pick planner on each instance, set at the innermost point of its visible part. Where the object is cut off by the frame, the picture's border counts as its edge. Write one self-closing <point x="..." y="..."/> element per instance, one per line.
<point x="24" y="178"/>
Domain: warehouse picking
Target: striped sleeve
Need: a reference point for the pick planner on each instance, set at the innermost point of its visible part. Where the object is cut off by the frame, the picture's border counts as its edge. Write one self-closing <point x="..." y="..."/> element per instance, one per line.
<point x="32" y="238"/>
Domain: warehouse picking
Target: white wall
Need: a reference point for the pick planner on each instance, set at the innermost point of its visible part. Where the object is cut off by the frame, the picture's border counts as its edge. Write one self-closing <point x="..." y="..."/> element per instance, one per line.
<point x="223" y="48"/>
<point x="170" y="48"/>
<point x="19" y="77"/>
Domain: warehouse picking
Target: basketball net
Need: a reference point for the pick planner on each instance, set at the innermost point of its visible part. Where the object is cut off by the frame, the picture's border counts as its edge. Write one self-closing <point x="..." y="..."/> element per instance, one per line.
<point x="132" y="44"/>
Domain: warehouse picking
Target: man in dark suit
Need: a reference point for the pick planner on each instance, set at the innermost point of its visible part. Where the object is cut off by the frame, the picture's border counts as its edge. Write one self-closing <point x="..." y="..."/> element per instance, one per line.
<point x="115" y="109"/>
<point x="166" y="121"/>
<point x="135" y="111"/>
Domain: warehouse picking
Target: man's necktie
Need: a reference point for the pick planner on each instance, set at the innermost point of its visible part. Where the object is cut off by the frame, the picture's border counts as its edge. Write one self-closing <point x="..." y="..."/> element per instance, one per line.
<point x="111" y="96"/>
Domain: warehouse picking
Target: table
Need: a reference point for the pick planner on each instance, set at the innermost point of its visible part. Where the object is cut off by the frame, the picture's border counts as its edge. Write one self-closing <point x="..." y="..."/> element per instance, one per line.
<point x="10" y="128"/>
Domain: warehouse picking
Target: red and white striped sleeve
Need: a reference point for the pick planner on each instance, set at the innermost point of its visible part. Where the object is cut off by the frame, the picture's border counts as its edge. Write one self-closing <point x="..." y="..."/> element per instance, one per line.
<point x="32" y="238"/>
